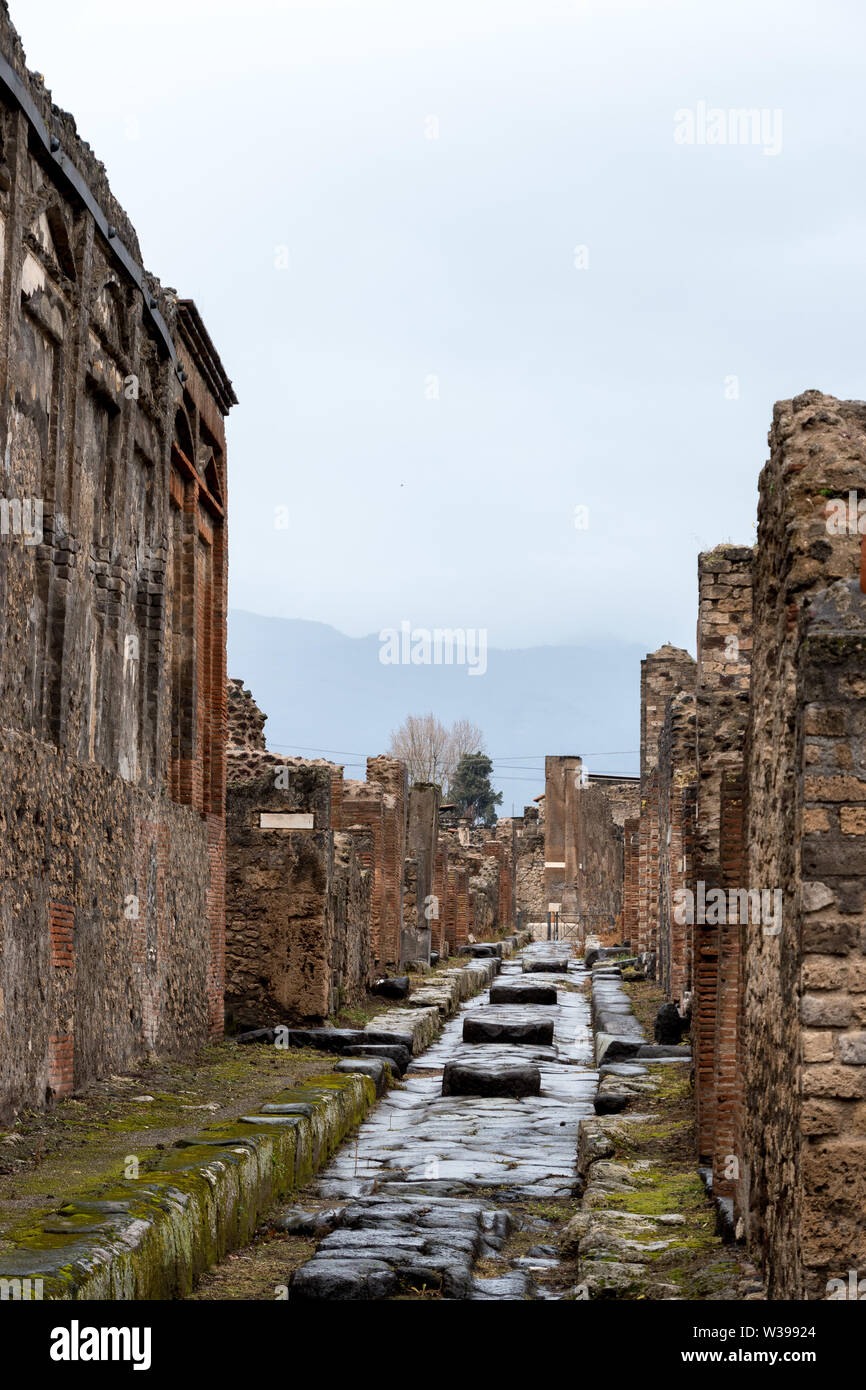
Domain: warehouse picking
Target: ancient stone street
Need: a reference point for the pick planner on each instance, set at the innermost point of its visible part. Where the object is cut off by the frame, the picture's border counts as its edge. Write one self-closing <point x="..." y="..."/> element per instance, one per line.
<point x="424" y="1191"/>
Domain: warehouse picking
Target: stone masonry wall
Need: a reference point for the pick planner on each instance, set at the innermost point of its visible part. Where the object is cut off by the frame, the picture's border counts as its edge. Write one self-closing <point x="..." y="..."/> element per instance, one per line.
<point x="529" y="868"/>
<point x="793" y="1181"/>
<point x="112" y="626"/>
<point x="299" y="891"/>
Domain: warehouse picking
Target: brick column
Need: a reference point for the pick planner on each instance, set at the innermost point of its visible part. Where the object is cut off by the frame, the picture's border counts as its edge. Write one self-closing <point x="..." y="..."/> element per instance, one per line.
<point x="727" y="1070"/>
<point x="663" y="673"/>
<point x="61" y="1041"/>
<point x="724" y="637"/>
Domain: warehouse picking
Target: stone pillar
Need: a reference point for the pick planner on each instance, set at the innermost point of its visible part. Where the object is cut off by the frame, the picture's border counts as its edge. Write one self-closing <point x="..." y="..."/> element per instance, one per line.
<point x="422" y="829"/>
<point x="631" y="877"/>
<point x="561" y="774"/>
<point x="391" y="775"/>
<point x="663" y="673"/>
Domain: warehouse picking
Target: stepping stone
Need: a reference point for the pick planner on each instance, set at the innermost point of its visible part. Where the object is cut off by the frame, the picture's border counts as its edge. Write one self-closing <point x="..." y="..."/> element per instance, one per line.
<point x="505" y="1288"/>
<point x="374" y="1067"/>
<point x="610" y="1102"/>
<point x="540" y="966"/>
<point x="612" y="1047"/>
<point x="339" y="1039"/>
<point x="521" y="992"/>
<point x="342" y="1280"/>
<point x="478" y="1029"/>
<point x="256" y="1035"/>
<point x="400" y="1057"/>
<point x="395" y="987"/>
<point x="300" y="1222"/>
<point x="473" y="1079"/>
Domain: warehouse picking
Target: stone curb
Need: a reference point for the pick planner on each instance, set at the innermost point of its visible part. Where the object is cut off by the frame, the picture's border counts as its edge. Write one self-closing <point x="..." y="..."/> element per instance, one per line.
<point x="151" y="1237"/>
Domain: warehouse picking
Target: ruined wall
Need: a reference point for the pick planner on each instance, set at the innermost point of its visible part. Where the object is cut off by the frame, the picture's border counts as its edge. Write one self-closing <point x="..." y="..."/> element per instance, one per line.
<point x="422" y="830"/>
<point x="299" y="891"/>
<point x="631" y="879"/>
<point x="799" y="984"/>
<point x="529" y="892"/>
<point x="663" y="673"/>
<point x="831" y="787"/>
<point x="677" y="786"/>
<point x="112" y="625"/>
<point x="724" y="641"/>
<point x="599" y="865"/>
<point x="622" y="793"/>
<point x="119" y="882"/>
<point x="246" y="722"/>
<point x="392" y="776"/>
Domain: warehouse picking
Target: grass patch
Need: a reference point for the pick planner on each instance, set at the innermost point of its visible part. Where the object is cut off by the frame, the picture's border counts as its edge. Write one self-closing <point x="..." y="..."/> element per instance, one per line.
<point x="83" y="1142"/>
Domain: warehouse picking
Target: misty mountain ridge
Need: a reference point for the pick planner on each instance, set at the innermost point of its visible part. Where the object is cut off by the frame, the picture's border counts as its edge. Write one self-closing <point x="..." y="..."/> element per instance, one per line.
<point x="339" y="697"/>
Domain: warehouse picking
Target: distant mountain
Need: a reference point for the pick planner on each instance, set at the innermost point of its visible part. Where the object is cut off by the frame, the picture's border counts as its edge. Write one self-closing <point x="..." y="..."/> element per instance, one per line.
<point x="329" y="695"/>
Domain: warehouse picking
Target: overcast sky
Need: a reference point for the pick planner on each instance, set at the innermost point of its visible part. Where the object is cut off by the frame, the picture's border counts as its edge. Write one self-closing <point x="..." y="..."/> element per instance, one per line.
<point x="374" y="201"/>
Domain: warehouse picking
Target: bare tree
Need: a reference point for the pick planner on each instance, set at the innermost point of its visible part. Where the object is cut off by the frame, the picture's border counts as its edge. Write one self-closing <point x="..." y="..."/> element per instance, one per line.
<point x="422" y="742"/>
<point x="463" y="737"/>
<point x="430" y="751"/>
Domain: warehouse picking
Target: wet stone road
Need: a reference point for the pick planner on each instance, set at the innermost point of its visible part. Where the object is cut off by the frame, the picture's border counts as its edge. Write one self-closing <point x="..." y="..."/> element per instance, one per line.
<point x="435" y="1183"/>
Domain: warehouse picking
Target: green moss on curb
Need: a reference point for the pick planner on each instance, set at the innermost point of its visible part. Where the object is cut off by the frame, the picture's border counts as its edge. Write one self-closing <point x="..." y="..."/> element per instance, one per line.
<point x="151" y="1237"/>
